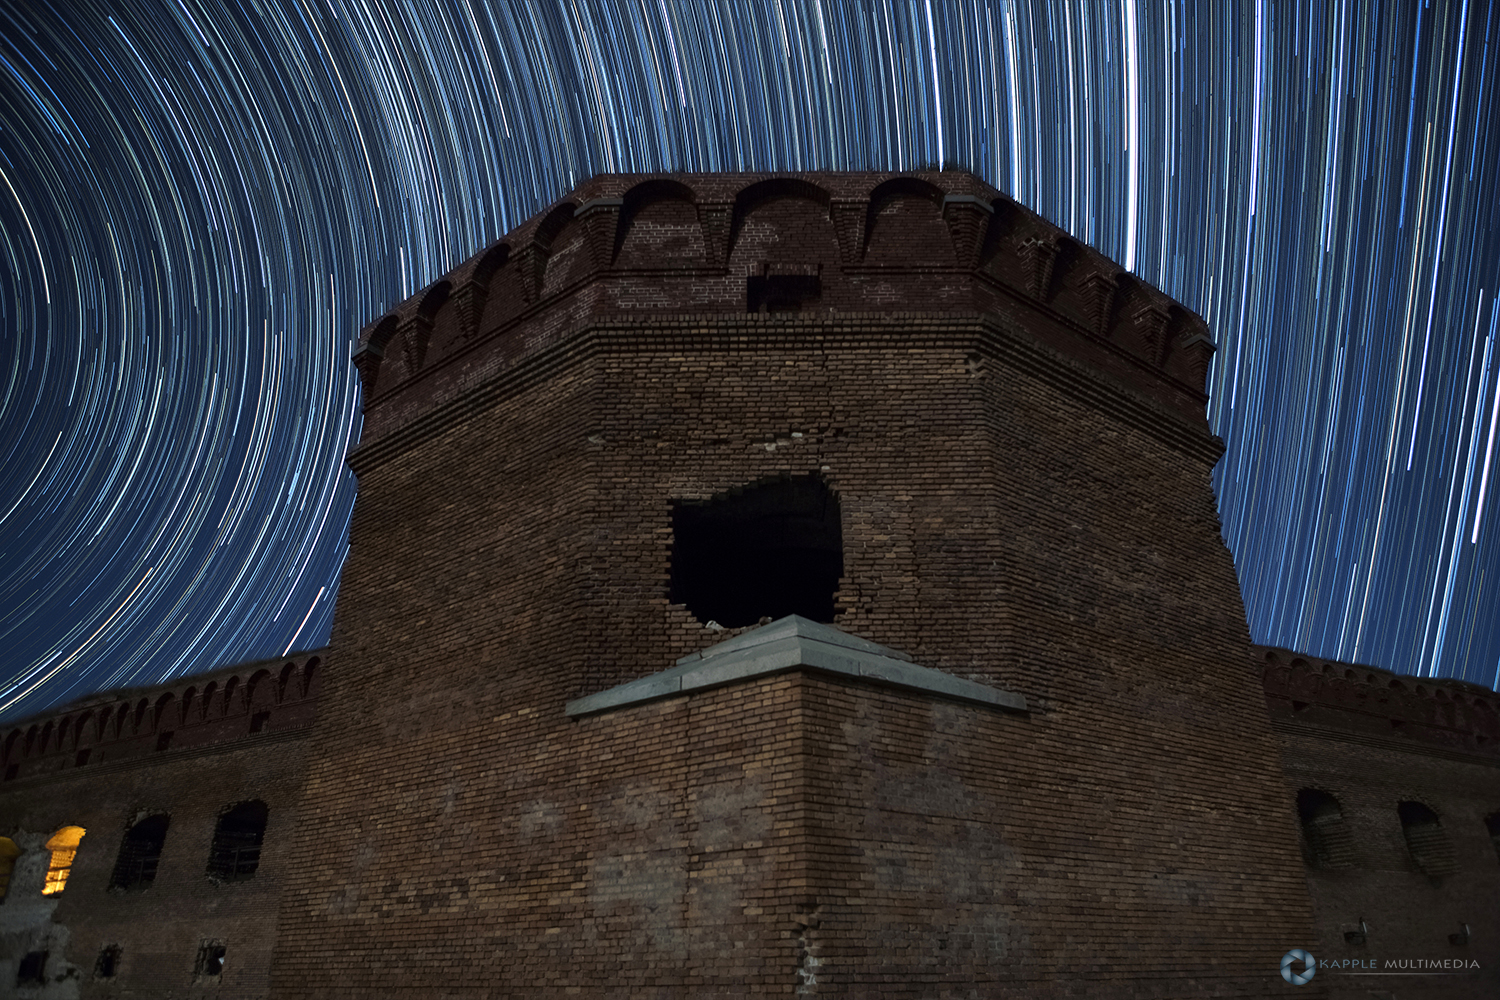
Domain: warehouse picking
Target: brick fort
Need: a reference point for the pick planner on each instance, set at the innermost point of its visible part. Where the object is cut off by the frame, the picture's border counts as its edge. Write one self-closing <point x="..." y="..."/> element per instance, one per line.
<point x="801" y="585"/>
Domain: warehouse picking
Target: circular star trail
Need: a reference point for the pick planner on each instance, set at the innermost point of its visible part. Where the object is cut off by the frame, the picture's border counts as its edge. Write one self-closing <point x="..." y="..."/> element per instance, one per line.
<point x="202" y="202"/>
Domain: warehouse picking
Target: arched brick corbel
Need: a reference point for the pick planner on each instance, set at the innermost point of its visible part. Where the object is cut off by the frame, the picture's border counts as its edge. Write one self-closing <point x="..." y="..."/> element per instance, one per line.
<point x="1039" y="254"/>
<point x="468" y="306"/>
<point x="1150" y="319"/>
<point x="968" y="220"/>
<point x="531" y="266"/>
<point x="1099" y="290"/>
<point x="716" y="218"/>
<point x="848" y="217"/>
<point x="1192" y="351"/>
<point x="370" y="352"/>
<point x="600" y="218"/>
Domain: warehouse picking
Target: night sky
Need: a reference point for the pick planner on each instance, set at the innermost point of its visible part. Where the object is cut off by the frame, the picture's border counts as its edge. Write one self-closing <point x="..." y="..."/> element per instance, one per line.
<point x="203" y="201"/>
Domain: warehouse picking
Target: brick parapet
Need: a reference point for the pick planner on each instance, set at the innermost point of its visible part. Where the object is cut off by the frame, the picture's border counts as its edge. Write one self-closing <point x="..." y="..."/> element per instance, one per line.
<point x="655" y="246"/>
<point x="208" y="712"/>
<point x="1369" y="703"/>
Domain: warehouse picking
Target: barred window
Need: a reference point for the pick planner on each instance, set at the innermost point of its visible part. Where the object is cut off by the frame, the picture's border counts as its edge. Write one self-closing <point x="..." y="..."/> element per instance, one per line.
<point x="235" y="854"/>
<point x="140" y="853"/>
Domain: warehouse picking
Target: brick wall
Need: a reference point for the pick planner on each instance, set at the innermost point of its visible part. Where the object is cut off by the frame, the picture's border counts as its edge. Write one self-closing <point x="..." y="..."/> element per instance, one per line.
<point x="97" y="765"/>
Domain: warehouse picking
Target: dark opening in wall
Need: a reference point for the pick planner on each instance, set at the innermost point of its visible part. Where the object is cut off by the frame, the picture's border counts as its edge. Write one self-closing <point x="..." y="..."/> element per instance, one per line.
<point x="772" y="293"/>
<point x="210" y="959"/>
<point x="164" y="741"/>
<point x="82" y="757"/>
<point x="235" y="853"/>
<point x="768" y="550"/>
<point x="1492" y="823"/>
<point x="33" y="969"/>
<point x="1426" y="840"/>
<point x="140" y="854"/>
<point x="109" y="962"/>
<point x="1325" y="838"/>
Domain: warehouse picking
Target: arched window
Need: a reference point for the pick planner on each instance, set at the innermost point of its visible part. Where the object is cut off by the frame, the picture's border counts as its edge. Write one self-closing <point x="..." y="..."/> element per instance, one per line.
<point x="140" y="853"/>
<point x="235" y="854"/>
<point x="1426" y="840"/>
<point x="8" y="854"/>
<point x="1325" y="839"/>
<point x="64" y="846"/>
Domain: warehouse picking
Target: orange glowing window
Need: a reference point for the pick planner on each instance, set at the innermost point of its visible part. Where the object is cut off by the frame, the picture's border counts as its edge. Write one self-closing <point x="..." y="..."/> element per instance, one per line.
<point x="63" y="845"/>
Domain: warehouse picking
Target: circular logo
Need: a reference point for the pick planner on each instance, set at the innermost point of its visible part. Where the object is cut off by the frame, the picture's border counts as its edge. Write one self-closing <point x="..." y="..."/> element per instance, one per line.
<point x="1309" y="967"/>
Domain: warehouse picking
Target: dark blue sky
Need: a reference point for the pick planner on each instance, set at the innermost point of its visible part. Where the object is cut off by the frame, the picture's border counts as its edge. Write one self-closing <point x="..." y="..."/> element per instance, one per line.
<point x="203" y="201"/>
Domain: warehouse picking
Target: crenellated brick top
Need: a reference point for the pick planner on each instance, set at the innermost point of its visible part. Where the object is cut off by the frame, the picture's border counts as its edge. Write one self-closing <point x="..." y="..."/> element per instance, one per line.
<point x="190" y="713"/>
<point x="1375" y="702"/>
<point x="815" y="244"/>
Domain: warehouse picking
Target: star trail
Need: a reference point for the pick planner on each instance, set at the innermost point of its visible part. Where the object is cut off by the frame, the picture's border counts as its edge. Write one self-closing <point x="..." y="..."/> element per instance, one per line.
<point x="202" y="202"/>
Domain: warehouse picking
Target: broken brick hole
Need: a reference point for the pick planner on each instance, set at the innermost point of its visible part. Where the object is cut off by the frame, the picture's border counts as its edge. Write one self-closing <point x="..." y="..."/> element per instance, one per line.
<point x="768" y="550"/>
<point x="108" y="963"/>
<point x="32" y="970"/>
<point x="211" y="959"/>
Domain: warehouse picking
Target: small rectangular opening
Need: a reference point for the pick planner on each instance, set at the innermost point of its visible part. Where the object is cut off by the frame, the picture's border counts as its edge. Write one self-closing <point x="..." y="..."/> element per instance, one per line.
<point x="33" y="969"/>
<point x="109" y="962"/>
<point x="10" y="771"/>
<point x="211" y="959"/>
<point x="164" y="740"/>
<point x="82" y="757"/>
<point x="258" y="721"/>
<point x="774" y="293"/>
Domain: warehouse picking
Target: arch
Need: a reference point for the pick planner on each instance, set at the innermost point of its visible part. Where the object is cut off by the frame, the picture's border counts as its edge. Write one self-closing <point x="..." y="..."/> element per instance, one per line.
<point x="753" y="196"/>
<point x="675" y="234"/>
<point x="234" y="855"/>
<point x="189" y="702"/>
<point x="140" y="853"/>
<point x="1426" y="840"/>
<point x="10" y="744"/>
<point x="308" y="673"/>
<point x="258" y="690"/>
<point x="493" y="260"/>
<point x="64" y="847"/>
<point x="44" y="739"/>
<point x="282" y="682"/>
<point x="140" y="715"/>
<point x="164" y="716"/>
<point x="436" y="296"/>
<point x="384" y="364"/>
<point x="231" y="689"/>
<point x="904" y="224"/>
<point x="122" y="715"/>
<point x="1325" y="839"/>
<point x="206" y="710"/>
<point x="553" y="224"/>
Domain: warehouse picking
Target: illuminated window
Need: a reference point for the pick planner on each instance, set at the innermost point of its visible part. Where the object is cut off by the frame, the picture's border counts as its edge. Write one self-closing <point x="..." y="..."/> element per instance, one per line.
<point x="8" y="854"/>
<point x="235" y="854"/>
<point x="63" y="845"/>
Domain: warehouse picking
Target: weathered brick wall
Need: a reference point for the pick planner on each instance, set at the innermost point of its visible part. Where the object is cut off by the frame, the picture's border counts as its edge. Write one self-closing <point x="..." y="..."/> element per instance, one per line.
<point x="1373" y="740"/>
<point x="188" y="749"/>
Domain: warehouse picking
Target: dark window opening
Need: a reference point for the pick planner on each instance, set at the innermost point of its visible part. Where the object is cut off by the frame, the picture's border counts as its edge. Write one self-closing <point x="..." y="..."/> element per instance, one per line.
<point x="109" y="962"/>
<point x="235" y="854"/>
<point x="210" y="959"/>
<point x="33" y="969"/>
<point x="770" y="293"/>
<point x="762" y="551"/>
<point x="82" y="757"/>
<point x="1492" y="823"/>
<point x="140" y="854"/>
<point x="1325" y="839"/>
<point x="11" y="771"/>
<point x="163" y="741"/>
<point x="1426" y="841"/>
<point x="258" y="721"/>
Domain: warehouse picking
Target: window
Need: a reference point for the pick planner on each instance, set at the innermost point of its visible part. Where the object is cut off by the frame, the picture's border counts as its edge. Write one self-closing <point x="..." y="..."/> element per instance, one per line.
<point x="210" y="962"/>
<point x="33" y="969"/>
<point x="1492" y="823"/>
<point x="8" y="854"/>
<point x="109" y="962"/>
<point x="769" y="550"/>
<point x="235" y="854"/>
<point x="140" y="853"/>
<point x="1426" y="840"/>
<point x="770" y="293"/>
<point x="1325" y="839"/>
<point x="63" y="845"/>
